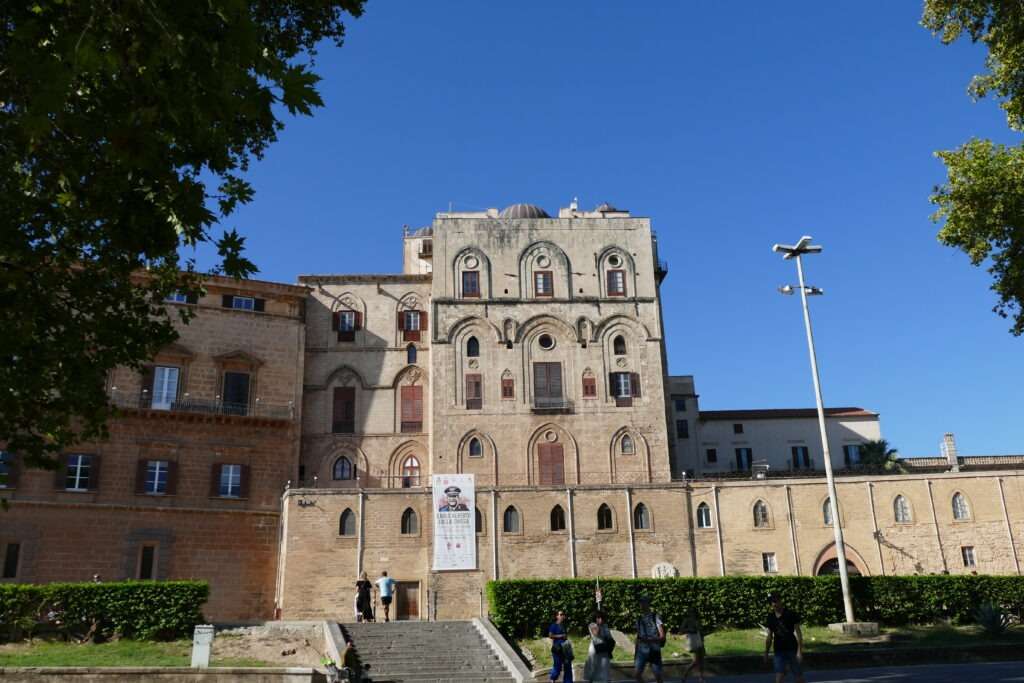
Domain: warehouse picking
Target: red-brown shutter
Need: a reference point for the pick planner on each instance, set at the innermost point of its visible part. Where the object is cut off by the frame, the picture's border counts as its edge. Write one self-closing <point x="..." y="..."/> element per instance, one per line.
<point x="589" y="387"/>
<point x="634" y="384"/>
<point x="244" y="477"/>
<point x="508" y="387"/>
<point x="215" y="480"/>
<point x="611" y="384"/>
<point x="423" y="321"/>
<point x="141" y="467"/>
<point x="146" y="393"/>
<point x="336" y="320"/>
<point x="227" y="300"/>
<point x="401" y="321"/>
<point x="94" y="472"/>
<point x="60" y="476"/>
<point x="172" y="477"/>
<point x="359" y="320"/>
<point x="543" y="463"/>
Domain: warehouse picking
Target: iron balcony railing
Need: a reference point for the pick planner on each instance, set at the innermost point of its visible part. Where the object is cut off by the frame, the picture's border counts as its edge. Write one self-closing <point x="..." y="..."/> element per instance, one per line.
<point x="215" y="406"/>
<point x="552" y="404"/>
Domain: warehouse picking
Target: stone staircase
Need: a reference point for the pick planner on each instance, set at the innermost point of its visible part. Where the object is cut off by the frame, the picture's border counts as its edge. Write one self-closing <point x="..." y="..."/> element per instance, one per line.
<point x="425" y="652"/>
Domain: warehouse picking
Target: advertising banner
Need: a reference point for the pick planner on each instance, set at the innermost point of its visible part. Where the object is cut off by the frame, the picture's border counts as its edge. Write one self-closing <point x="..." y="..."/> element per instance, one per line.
<point x="454" y="504"/>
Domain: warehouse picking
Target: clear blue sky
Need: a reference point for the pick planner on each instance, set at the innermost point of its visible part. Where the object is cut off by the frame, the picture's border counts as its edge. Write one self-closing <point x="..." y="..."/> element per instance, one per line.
<point x="731" y="125"/>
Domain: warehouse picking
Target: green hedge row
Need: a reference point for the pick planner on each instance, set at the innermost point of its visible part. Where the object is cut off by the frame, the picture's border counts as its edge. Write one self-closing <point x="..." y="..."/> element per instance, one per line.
<point x="521" y="608"/>
<point x="133" y="609"/>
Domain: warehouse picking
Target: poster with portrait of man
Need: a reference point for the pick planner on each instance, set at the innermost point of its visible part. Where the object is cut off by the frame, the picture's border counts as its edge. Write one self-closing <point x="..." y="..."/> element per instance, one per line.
<point x="454" y="503"/>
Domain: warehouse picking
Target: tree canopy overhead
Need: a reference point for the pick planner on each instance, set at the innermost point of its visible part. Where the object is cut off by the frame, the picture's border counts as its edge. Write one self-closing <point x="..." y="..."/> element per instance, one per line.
<point x="125" y="131"/>
<point x="981" y="205"/>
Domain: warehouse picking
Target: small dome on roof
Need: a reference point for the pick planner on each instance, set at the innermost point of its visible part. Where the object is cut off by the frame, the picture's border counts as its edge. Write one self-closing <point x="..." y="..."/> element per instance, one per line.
<point x="523" y="211"/>
<point x="606" y="208"/>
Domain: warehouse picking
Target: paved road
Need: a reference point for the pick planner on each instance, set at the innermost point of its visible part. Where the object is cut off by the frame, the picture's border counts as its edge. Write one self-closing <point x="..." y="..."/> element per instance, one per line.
<point x="995" y="672"/>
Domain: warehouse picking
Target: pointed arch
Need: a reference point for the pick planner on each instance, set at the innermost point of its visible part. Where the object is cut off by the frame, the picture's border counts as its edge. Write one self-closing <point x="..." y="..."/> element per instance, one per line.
<point x="511" y="521"/>
<point x="631" y="465"/>
<point x="605" y="517"/>
<point x="901" y="512"/>
<point x="532" y="258"/>
<point x="410" y="354"/>
<point x="343" y="469"/>
<point x="557" y="518"/>
<point x="328" y="458"/>
<point x="642" y="518"/>
<point x="472" y="324"/>
<point x="347" y="523"/>
<point x="410" y="523"/>
<point x="489" y="449"/>
<point x="346" y="375"/>
<point x="827" y="555"/>
<point x="472" y="347"/>
<point x="704" y="516"/>
<point x="827" y="511"/>
<point x="398" y="477"/>
<point x="762" y="514"/>
<point x="961" y="507"/>
<point x="570" y="450"/>
<point x="478" y="519"/>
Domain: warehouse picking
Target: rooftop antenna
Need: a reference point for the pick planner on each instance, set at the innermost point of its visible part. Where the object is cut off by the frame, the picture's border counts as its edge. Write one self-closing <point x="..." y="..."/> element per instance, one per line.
<point x="449" y="207"/>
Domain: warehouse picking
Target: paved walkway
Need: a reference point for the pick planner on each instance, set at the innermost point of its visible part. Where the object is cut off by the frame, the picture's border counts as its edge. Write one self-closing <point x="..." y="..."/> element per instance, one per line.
<point x="994" y="672"/>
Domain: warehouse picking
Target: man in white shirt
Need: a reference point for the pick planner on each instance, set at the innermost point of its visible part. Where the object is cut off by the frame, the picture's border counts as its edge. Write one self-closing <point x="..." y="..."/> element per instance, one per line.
<point x="386" y="585"/>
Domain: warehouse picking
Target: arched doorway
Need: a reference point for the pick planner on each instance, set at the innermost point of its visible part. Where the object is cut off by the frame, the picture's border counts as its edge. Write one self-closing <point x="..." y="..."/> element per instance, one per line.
<point x="828" y="565"/>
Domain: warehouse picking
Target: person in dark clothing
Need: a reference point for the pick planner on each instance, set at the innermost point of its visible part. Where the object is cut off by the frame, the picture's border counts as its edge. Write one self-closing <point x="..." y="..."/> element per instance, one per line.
<point x="784" y="632"/>
<point x="561" y="649"/>
<point x="363" y="587"/>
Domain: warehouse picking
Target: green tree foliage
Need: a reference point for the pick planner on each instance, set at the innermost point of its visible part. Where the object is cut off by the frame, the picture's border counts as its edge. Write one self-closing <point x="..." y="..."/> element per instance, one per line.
<point x="877" y="454"/>
<point x="125" y="128"/>
<point x="981" y="205"/>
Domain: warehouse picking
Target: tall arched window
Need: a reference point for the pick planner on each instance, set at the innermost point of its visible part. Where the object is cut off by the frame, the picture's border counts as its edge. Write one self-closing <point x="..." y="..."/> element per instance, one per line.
<point x="826" y="511"/>
<point x="472" y="347"/>
<point x="479" y="520"/>
<point x="557" y="518"/>
<point x="510" y="521"/>
<point x="476" y="449"/>
<point x="347" y="523"/>
<point x="604" y="517"/>
<point x="410" y="472"/>
<point x="760" y="514"/>
<point x="626" y="445"/>
<point x="619" y="345"/>
<point x="344" y="469"/>
<point x="901" y="509"/>
<point x="703" y="516"/>
<point x="410" y="523"/>
<point x="410" y="355"/>
<point x="960" y="509"/>
<point x="641" y="517"/>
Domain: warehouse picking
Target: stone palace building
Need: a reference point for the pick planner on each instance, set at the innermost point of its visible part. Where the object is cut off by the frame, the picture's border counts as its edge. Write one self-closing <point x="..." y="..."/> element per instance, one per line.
<point x="285" y="443"/>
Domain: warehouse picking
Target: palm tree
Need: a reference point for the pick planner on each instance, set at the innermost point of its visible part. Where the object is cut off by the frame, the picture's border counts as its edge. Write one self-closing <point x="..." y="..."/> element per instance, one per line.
<point x="878" y="454"/>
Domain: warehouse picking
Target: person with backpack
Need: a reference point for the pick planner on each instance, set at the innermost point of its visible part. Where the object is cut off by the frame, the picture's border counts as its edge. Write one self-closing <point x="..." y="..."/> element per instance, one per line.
<point x="561" y="649"/>
<point x="599" y="655"/>
<point x="650" y="637"/>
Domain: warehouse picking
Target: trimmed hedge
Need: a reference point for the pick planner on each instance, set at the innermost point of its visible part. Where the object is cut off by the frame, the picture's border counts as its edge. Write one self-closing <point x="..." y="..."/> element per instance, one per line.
<point x="145" y="610"/>
<point x="522" y="608"/>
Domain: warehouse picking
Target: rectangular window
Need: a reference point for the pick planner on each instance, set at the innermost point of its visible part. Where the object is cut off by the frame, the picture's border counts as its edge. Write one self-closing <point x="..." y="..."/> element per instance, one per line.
<point x="682" y="429"/>
<point x="624" y="387"/>
<point x="967" y="552"/>
<point x="156" y="477"/>
<point x="542" y="283"/>
<point x="471" y="284"/>
<point x="621" y="386"/>
<point x="616" y="283"/>
<point x="11" y="554"/>
<point x="801" y="457"/>
<point x="243" y="303"/>
<point x="411" y="323"/>
<point x="589" y="387"/>
<point x="412" y="320"/>
<point x="474" y="392"/>
<point x="769" y="563"/>
<point x="236" y="393"/>
<point x="230" y="481"/>
<point x="346" y="321"/>
<point x="737" y="428"/>
<point x="508" y="388"/>
<point x="547" y="385"/>
<point x="412" y="409"/>
<point x="6" y="469"/>
<point x="851" y="454"/>
<point x="344" y="419"/>
<point x="177" y="298"/>
<point x="679" y="402"/>
<point x="147" y="563"/>
<point x="744" y="458"/>
<point x="711" y="455"/>
<point x="165" y="387"/>
<point x="79" y="469"/>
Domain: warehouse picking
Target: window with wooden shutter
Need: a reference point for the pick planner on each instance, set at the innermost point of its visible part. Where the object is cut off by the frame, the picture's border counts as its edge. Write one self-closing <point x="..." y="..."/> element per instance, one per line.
<point x="550" y="464"/>
<point x="508" y="388"/>
<point x="543" y="284"/>
<point x="547" y="385"/>
<point x="344" y="418"/>
<point x="474" y="392"/>
<point x="346" y="323"/>
<point x="589" y="387"/>
<point x="410" y="323"/>
<point x="412" y="409"/>
<point x="621" y="388"/>
<point x="471" y="284"/>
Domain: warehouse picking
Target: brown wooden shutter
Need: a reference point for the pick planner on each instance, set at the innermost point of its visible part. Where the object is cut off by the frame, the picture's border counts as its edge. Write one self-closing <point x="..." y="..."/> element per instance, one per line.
<point x="359" y="320"/>
<point x="141" y="467"/>
<point x="215" y="480"/>
<point x="423" y="321"/>
<point x="146" y="392"/>
<point x="172" y="477"/>
<point x="589" y="387"/>
<point x="634" y="384"/>
<point x="94" y="472"/>
<point x="227" y="300"/>
<point x="192" y="298"/>
<point x="401" y="321"/>
<point x="60" y="476"/>
<point x="508" y="387"/>
<point x="543" y="463"/>
<point x="259" y="304"/>
<point x="244" y="477"/>
<point x="611" y="384"/>
<point x="336" y="320"/>
<point x="344" y="414"/>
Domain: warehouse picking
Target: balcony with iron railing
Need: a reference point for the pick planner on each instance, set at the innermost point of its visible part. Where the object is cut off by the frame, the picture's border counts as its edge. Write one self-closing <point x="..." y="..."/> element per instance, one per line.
<point x="552" y="404"/>
<point x="214" y="406"/>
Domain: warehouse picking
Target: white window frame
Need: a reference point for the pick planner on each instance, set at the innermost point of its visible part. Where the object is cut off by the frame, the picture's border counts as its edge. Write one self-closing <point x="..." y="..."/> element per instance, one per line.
<point x="78" y="462"/>
<point x="230" y="485"/>
<point x="177" y="297"/>
<point x="165" y="386"/>
<point x="967" y="553"/>
<point x="769" y="563"/>
<point x="243" y="303"/>
<point x="6" y="460"/>
<point x="901" y="510"/>
<point x="704" y="516"/>
<point x="623" y="385"/>
<point x="619" y="276"/>
<point x="543" y="283"/>
<point x="157" y="474"/>
<point x="961" y="510"/>
<point x="346" y="321"/>
<point x="412" y="320"/>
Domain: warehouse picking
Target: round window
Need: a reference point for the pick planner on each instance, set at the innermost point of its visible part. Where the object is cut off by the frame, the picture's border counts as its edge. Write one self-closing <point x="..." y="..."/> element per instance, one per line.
<point x="615" y="260"/>
<point x="472" y="262"/>
<point x="543" y="261"/>
<point x="546" y="341"/>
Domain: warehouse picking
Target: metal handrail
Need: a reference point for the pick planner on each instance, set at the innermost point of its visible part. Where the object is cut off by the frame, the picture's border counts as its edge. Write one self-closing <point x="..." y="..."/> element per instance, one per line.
<point x="214" y="406"/>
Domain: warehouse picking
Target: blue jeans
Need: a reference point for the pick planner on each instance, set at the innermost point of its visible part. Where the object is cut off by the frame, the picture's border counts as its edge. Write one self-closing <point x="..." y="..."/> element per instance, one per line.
<point x="559" y="663"/>
<point x="782" y="659"/>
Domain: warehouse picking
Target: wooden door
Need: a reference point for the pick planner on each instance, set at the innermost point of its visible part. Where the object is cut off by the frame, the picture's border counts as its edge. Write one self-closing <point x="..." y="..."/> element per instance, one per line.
<point x="407" y="600"/>
<point x="550" y="464"/>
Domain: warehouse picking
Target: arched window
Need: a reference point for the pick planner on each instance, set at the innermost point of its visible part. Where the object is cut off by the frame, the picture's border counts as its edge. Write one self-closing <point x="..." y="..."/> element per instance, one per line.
<point x="826" y="512"/>
<point x="604" y="517"/>
<point x="619" y="345"/>
<point x="410" y="523"/>
<point x="703" y="516"/>
<point x="344" y="469"/>
<point x="510" y="521"/>
<point x="479" y="520"/>
<point x="641" y="518"/>
<point x="476" y="449"/>
<point x="472" y="347"/>
<point x="410" y="355"/>
<point x="410" y="472"/>
<point x="960" y="509"/>
<point x="627" y="446"/>
<point x="901" y="509"/>
<point x="347" y="523"/>
<point x="557" y="518"/>
<point x="760" y="514"/>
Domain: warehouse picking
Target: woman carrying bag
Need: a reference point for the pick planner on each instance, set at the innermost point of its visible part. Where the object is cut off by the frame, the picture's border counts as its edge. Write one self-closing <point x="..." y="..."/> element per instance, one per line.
<point x="694" y="642"/>
<point x="599" y="654"/>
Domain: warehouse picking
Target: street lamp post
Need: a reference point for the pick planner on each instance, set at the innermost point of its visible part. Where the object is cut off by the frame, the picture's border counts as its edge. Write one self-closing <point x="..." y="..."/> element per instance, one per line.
<point x="802" y="247"/>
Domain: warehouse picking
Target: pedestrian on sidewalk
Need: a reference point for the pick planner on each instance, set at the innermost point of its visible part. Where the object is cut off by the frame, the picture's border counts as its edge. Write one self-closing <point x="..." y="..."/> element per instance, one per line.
<point x="364" y="611"/>
<point x="599" y="655"/>
<point x="386" y="585"/>
<point x="650" y="637"/>
<point x="694" y="643"/>
<point x="561" y="649"/>
<point x="784" y="632"/>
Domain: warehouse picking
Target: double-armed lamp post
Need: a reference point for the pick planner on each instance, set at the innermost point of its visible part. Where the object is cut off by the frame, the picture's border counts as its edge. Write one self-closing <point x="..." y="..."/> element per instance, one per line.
<point x="796" y="251"/>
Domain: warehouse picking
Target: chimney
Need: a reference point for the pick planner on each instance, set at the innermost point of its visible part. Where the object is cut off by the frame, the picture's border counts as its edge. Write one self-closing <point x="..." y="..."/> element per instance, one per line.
<point x="949" y="451"/>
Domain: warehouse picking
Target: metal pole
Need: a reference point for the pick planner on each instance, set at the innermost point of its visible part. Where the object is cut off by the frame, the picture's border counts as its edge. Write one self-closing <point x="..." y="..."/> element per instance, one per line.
<point x="844" y="578"/>
<point x="572" y="534"/>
